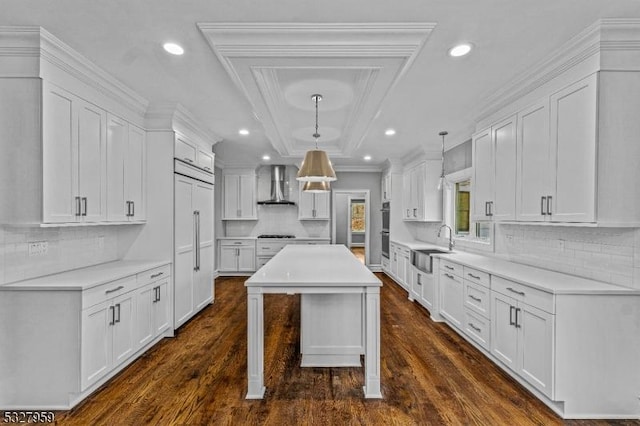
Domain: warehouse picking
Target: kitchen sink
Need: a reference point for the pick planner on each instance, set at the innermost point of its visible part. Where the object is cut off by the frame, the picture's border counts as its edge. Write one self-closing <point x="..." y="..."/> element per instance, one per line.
<point x="422" y="259"/>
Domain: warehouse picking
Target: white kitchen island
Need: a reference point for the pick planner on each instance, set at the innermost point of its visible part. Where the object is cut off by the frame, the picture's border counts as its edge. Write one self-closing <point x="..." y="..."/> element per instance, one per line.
<point x="340" y="311"/>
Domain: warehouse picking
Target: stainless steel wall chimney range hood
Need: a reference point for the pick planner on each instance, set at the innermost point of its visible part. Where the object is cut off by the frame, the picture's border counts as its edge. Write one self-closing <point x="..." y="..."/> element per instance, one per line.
<point x="278" y="175"/>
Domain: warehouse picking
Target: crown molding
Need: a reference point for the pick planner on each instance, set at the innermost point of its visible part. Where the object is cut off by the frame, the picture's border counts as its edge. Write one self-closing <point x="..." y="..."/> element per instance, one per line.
<point x="603" y="37"/>
<point x="172" y="116"/>
<point x="368" y="168"/>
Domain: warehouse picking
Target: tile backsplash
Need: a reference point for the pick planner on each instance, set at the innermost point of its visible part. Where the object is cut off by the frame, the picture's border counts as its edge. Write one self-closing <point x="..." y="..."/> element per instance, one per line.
<point x="611" y="255"/>
<point x="278" y="220"/>
<point x="67" y="248"/>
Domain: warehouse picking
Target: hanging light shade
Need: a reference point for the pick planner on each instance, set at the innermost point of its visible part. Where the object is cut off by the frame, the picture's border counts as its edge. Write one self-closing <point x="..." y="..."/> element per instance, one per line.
<point x="316" y="166"/>
<point x="316" y="187"/>
<point x="443" y="183"/>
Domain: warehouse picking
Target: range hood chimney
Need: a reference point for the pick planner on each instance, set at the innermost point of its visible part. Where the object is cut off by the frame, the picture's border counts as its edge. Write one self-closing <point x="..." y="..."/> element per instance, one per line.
<point x="278" y="174"/>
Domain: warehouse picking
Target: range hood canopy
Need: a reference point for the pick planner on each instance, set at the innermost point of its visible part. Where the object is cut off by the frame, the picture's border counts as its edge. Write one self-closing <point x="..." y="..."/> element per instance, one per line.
<point x="278" y="173"/>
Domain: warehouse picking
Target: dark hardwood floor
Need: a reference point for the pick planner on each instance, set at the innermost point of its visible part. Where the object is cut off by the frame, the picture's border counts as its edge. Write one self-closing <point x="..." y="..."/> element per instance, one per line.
<point x="430" y="376"/>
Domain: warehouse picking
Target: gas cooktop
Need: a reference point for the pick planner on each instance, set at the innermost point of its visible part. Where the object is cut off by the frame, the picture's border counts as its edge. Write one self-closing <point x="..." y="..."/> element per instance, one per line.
<point x="276" y="236"/>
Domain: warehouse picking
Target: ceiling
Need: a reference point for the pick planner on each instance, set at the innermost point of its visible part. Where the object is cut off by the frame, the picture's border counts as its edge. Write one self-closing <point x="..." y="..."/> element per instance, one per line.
<point x="378" y="64"/>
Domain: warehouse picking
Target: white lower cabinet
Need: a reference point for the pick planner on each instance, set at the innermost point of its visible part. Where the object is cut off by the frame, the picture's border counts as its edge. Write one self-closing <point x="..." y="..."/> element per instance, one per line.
<point x="153" y="310"/>
<point x="422" y="287"/>
<point x="451" y="294"/>
<point x="237" y="255"/>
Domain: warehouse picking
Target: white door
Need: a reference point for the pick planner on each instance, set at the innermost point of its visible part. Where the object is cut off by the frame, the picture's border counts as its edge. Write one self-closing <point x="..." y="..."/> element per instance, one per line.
<point x="124" y="341"/>
<point x="535" y="347"/>
<point x="92" y="171"/>
<point x="483" y="175"/>
<point x="573" y="138"/>
<point x="504" y="334"/>
<point x="135" y="173"/>
<point x="534" y="166"/>
<point x="203" y="280"/>
<point x="504" y="142"/>
<point x="117" y="136"/>
<point x="184" y="249"/>
<point x="60" y="156"/>
<point x="96" y="343"/>
<point x="144" y="315"/>
<point x="162" y="308"/>
<point x="451" y="303"/>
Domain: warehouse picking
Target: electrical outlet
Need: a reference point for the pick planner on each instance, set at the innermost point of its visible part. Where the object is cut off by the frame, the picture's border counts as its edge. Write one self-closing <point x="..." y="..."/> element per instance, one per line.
<point x="38" y="248"/>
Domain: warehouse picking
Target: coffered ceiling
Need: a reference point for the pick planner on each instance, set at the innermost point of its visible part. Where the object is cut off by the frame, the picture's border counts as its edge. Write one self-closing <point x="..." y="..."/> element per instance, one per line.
<point x="379" y="64"/>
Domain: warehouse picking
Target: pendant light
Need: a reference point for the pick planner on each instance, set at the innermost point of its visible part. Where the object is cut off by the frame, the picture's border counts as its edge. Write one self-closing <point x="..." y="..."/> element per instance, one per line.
<point x="316" y="166"/>
<point x="316" y="187"/>
<point x="443" y="183"/>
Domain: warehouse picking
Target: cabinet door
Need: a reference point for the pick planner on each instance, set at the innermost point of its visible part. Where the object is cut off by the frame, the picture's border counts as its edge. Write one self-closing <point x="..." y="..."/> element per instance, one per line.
<point x="322" y="202"/>
<point x="535" y="347"/>
<point x="407" y="212"/>
<point x="504" y="334"/>
<point x="205" y="160"/>
<point x="185" y="151"/>
<point x="184" y="249"/>
<point x="573" y="140"/>
<point x="117" y="139"/>
<point x="96" y="344"/>
<point x="419" y="192"/>
<point x="228" y="258"/>
<point x="504" y="142"/>
<point x="534" y="166"/>
<point x="162" y="308"/>
<point x="428" y="290"/>
<point x="247" y="196"/>
<point x="246" y="259"/>
<point x="305" y="204"/>
<point x="92" y="162"/>
<point x="483" y="174"/>
<point x="124" y="342"/>
<point x="451" y="298"/>
<point x="136" y="173"/>
<point x="231" y="194"/>
<point x="60" y="156"/>
<point x="144" y="330"/>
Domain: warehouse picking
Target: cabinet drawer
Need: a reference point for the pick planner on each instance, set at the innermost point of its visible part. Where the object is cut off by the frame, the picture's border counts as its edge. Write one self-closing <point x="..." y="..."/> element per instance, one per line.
<point x="262" y="260"/>
<point x="477" y="298"/>
<point x="446" y="276"/>
<point x="185" y="151"/>
<point x="451" y="268"/>
<point x="403" y="251"/>
<point x="107" y="291"/>
<point x="151" y="275"/>
<point x="529" y="295"/>
<point x="205" y="161"/>
<point x="477" y="277"/>
<point x="478" y="328"/>
<point x="238" y="243"/>
<point x="270" y="248"/>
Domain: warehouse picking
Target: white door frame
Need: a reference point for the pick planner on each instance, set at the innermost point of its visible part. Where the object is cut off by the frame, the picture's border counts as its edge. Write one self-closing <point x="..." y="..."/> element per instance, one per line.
<point x="354" y="193"/>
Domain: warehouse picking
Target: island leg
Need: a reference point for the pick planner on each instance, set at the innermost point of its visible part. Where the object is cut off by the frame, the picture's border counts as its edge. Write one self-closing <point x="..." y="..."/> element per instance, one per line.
<point x="372" y="344"/>
<point x="255" y="343"/>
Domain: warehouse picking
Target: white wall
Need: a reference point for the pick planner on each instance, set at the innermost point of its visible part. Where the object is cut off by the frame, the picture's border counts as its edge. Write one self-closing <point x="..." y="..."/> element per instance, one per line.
<point x="342" y="212"/>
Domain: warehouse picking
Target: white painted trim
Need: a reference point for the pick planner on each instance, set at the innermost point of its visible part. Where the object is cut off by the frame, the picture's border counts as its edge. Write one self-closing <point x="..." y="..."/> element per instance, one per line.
<point x="367" y="202"/>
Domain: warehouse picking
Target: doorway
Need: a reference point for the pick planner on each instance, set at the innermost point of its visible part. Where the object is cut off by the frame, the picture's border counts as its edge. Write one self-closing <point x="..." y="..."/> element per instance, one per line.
<point x="351" y="212"/>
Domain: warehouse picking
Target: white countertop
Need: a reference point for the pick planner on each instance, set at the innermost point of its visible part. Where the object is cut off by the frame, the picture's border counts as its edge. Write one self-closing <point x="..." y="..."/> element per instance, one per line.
<point x="277" y="239"/>
<point x="314" y="265"/>
<point x="542" y="279"/>
<point x="418" y="245"/>
<point x="85" y="278"/>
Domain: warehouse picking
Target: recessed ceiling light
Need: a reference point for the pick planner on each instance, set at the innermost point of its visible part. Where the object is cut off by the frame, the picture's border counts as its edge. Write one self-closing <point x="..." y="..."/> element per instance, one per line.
<point x="460" y="50"/>
<point x="266" y="158"/>
<point x="173" y="48"/>
<point x="243" y="132"/>
<point x="390" y="132"/>
<point x="367" y="158"/>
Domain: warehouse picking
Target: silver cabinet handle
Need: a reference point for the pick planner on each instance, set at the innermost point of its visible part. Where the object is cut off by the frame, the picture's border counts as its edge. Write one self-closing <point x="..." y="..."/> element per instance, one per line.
<point x="448" y="276"/>
<point x="112" y="313"/>
<point x="128" y="208"/>
<point x="84" y="206"/>
<point x="195" y="241"/>
<point x="414" y="212"/>
<point x="407" y="212"/>
<point x="156" y="275"/>
<point x="517" y="324"/>
<point x="78" y="208"/>
<point x="237" y="242"/>
<point x="511" y="310"/>
<point x="473" y="276"/>
<point x="188" y="159"/>
<point x="549" y="205"/>
<point x="419" y="279"/>
<point x="120" y="287"/>
<point x="490" y="208"/>
<point x="543" y="202"/>
<point x="477" y="299"/>
<point x="197" y="251"/>
<point x="486" y="208"/>
<point x="133" y="208"/>
<point x="118" y="320"/>
<point x="479" y="330"/>
<point x="521" y="293"/>
<point x="159" y="294"/>
<point x="449" y="267"/>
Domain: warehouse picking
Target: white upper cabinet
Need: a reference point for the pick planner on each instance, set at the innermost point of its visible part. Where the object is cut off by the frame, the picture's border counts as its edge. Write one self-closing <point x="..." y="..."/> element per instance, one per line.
<point x="573" y="151"/>
<point x="239" y="196"/>
<point x="314" y="206"/>
<point x="483" y="174"/>
<point x="421" y="199"/>
<point x="385" y="186"/>
<point x="74" y="158"/>
<point x="126" y="161"/>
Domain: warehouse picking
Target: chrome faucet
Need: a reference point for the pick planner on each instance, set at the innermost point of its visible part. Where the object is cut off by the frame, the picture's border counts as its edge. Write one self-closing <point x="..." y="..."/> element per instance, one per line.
<point x="451" y="243"/>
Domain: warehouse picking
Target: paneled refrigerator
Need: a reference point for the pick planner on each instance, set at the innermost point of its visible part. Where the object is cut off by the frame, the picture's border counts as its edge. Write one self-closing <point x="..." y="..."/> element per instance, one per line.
<point x="194" y="241"/>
